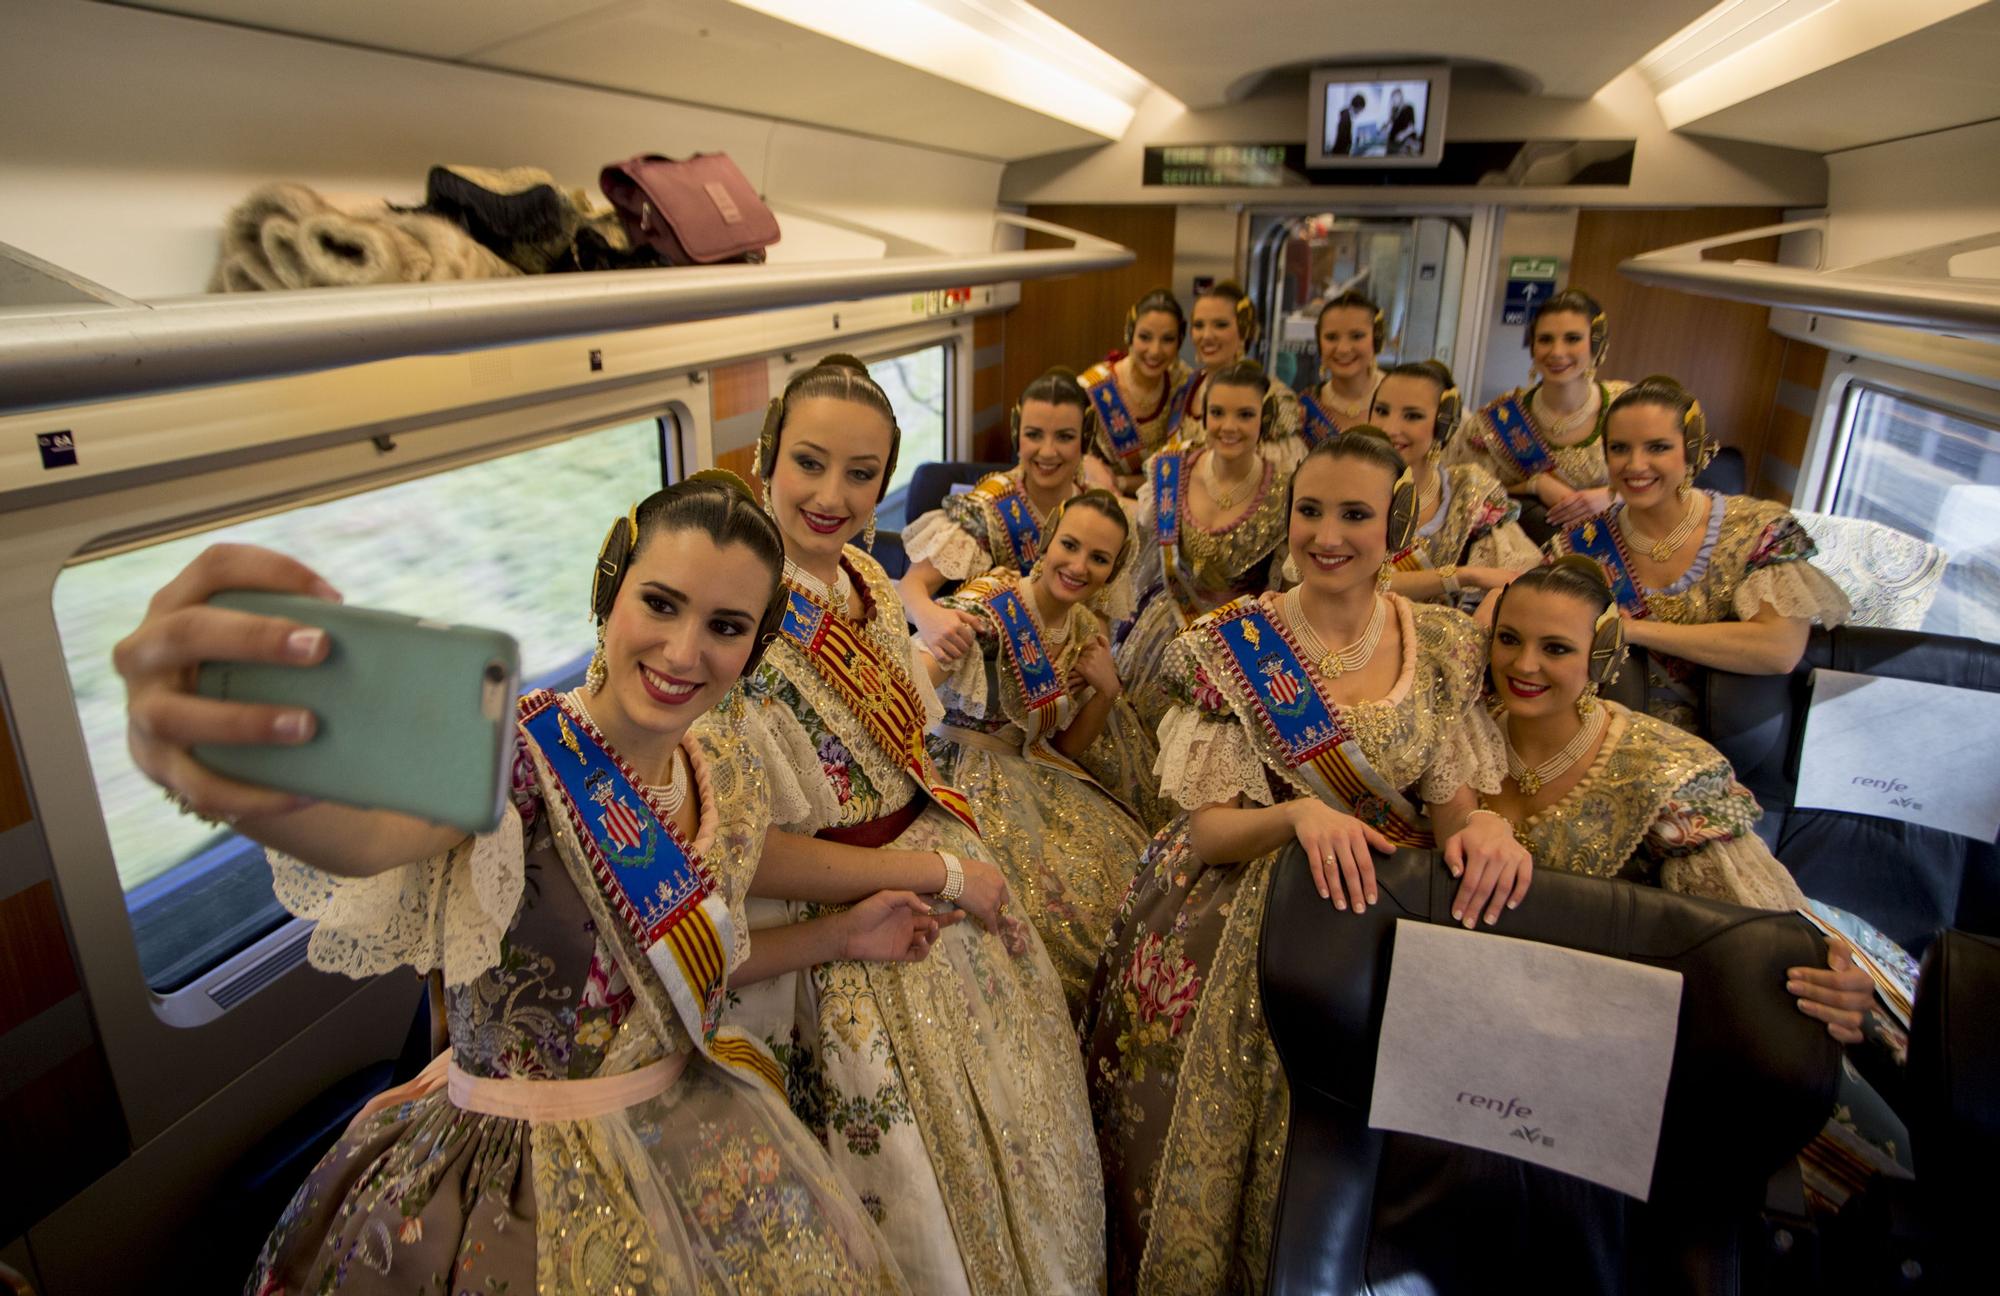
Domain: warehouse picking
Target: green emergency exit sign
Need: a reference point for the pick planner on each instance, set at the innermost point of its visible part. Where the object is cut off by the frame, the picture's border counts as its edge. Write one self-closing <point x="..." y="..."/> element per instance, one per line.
<point x="1531" y="268"/>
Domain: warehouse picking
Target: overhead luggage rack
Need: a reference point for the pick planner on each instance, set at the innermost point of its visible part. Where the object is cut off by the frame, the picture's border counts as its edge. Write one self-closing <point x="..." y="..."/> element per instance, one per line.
<point x="118" y="347"/>
<point x="1913" y="290"/>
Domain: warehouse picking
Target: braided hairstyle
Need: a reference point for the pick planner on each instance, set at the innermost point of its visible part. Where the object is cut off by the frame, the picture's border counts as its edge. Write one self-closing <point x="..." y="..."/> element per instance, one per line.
<point x="841" y="377"/>
<point x="1575" y="301"/>
<point x="1581" y="578"/>
<point x="1058" y="386"/>
<point x="715" y="502"/>
<point x="1232" y="294"/>
<point x="1370" y="444"/>
<point x="1666" y="392"/>
<point x="1353" y="299"/>
<point x="1164" y="302"/>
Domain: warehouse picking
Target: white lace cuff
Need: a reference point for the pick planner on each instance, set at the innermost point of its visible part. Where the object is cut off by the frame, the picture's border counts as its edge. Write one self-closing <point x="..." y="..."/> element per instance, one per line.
<point x="1506" y="546"/>
<point x="1205" y="761"/>
<point x="1796" y="589"/>
<point x="1470" y="754"/>
<point x="936" y="539"/>
<point x="449" y="911"/>
<point x="802" y="800"/>
<point x="966" y="682"/>
<point x="1740" y="871"/>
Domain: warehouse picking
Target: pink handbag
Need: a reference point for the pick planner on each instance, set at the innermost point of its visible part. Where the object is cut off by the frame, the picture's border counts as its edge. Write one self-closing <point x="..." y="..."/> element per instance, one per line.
<point x="700" y="211"/>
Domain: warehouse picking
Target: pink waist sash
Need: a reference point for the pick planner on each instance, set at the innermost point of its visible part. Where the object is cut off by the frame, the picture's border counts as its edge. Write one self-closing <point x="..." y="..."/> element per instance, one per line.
<point x="541" y="1101"/>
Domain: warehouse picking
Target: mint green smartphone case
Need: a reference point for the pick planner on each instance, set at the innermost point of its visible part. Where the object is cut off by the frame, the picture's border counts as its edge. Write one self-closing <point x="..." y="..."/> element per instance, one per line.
<point x="414" y="715"/>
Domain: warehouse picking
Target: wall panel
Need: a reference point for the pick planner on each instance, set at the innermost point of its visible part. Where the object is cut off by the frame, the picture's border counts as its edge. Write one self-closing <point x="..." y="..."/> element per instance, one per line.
<point x="1724" y="351"/>
<point x="1074" y="322"/>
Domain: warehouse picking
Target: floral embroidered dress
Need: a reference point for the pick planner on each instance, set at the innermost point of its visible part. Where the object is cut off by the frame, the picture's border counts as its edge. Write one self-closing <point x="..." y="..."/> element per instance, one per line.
<point x="1507" y="439"/>
<point x="1660" y="806"/>
<point x="711" y="1186"/>
<point x="1476" y="525"/>
<point x="995" y="524"/>
<point x="1753" y="552"/>
<point x="949" y="1091"/>
<point x="1185" y="1084"/>
<point x="1126" y="435"/>
<point x="1072" y="843"/>
<point x="1183" y="569"/>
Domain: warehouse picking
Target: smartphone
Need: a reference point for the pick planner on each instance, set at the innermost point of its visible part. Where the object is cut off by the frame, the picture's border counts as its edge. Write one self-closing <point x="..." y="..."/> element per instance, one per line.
<point x="413" y="715"/>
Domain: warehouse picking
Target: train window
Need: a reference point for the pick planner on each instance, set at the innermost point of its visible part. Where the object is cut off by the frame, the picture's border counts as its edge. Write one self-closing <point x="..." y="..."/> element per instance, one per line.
<point x="918" y="384"/>
<point x="498" y="543"/>
<point x="1931" y="472"/>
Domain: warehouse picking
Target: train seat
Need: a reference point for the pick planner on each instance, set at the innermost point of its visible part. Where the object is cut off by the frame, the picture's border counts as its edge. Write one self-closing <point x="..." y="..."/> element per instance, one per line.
<point x="1890" y="577"/>
<point x="1908" y="880"/>
<point x="933" y="481"/>
<point x="1753" y="1080"/>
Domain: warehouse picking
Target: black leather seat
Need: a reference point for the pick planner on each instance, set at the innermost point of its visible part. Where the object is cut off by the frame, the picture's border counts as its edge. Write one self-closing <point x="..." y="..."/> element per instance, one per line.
<point x="1360" y="1211"/>
<point x="1910" y="881"/>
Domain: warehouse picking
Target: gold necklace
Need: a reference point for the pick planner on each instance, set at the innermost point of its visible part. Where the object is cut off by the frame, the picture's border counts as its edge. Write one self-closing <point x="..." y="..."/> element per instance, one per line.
<point x="1350" y="409"/>
<point x="1661" y="550"/>
<point x="1556" y="427"/>
<point x="1531" y="781"/>
<point x="1333" y="663"/>
<point x="1224" y="496"/>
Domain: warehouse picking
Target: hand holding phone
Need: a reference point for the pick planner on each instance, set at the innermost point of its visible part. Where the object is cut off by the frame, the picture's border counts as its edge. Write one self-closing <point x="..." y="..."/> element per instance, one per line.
<point x="162" y="660"/>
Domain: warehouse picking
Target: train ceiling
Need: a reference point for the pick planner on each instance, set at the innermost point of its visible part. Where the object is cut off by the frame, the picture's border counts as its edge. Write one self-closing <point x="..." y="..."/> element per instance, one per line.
<point x="1002" y="78"/>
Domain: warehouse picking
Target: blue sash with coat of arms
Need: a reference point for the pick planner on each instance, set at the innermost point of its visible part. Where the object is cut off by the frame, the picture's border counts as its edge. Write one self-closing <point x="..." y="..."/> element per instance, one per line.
<point x="1177" y="404"/>
<point x="1041" y="683"/>
<point x="1118" y="422"/>
<point x="652" y="881"/>
<point x="1515" y="436"/>
<point x="1309" y="731"/>
<point x="1017" y="521"/>
<point x="1597" y="538"/>
<point x="1317" y="425"/>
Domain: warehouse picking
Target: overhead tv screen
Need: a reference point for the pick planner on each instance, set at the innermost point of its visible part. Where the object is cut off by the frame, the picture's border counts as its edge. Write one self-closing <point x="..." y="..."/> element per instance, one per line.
<point x="1377" y="116"/>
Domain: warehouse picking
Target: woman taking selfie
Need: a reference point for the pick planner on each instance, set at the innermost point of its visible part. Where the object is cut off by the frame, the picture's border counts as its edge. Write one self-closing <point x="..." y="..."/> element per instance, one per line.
<point x="953" y="1098"/>
<point x="601" y="1130"/>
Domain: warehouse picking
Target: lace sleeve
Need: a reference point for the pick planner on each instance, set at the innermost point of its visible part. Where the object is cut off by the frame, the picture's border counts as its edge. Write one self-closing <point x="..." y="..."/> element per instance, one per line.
<point x="802" y="800"/>
<point x="949" y="542"/>
<point x="927" y="695"/>
<point x="965" y="679"/>
<point x="1739" y="870"/>
<point x="1206" y="759"/>
<point x="1796" y="589"/>
<point x="449" y="911"/>
<point x="1505" y="546"/>
<point x="1468" y="755"/>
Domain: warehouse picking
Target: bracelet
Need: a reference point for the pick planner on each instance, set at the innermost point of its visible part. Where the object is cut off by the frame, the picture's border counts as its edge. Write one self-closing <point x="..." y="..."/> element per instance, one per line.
<point x="954" y="878"/>
<point x="1482" y="810"/>
<point x="1449" y="575"/>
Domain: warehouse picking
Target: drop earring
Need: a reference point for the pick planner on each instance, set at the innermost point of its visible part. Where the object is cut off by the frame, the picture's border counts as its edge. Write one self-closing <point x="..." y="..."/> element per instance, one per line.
<point x="1684" y="489"/>
<point x="599" y="671"/>
<point x="1382" y="577"/>
<point x="1586" y="701"/>
<point x="868" y="536"/>
<point x="1290" y="571"/>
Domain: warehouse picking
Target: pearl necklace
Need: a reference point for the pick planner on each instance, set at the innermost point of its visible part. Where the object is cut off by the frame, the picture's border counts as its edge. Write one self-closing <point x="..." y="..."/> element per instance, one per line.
<point x="1427" y="495"/>
<point x="1333" y="663"/>
<point x="1555" y="427"/>
<point x="1224" y="496"/>
<point x="1531" y="781"/>
<point x="834" y="596"/>
<point x="1661" y="550"/>
<point x="675" y="794"/>
<point x="1350" y="409"/>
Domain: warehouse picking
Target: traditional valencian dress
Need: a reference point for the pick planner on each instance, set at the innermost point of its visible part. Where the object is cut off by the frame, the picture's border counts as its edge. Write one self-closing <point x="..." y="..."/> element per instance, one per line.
<point x="1190" y="1100"/>
<point x="1753" y="552"/>
<point x="1661" y="807"/>
<point x="1125" y="436"/>
<point x="1319" y="421"/>
<point x="949" y="1090"/>
<point x="1476" y="525"/>
<point x="1509" y="442"/>
<point x="1183" y="569"/>
<point x="601" y="1132"/>
<point x="994" y="524"/>
<point x="1071" y="842"/>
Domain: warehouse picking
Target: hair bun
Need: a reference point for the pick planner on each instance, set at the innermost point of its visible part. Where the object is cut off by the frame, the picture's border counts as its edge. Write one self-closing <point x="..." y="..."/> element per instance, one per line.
<point x="1059" y="371"/>
<point x="1369" y="431"/>
<point x="842" y="360"/>
<point x="724" y="478"/>
<point x="1584" y="566"/>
